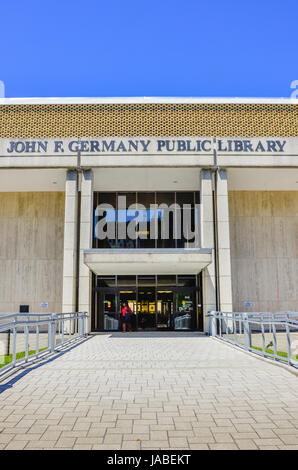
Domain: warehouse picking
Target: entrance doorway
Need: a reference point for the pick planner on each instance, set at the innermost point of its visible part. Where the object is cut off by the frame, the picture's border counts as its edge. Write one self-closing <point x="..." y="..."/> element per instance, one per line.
<point x="154" y="304"/>
<point x="146" y="319"/>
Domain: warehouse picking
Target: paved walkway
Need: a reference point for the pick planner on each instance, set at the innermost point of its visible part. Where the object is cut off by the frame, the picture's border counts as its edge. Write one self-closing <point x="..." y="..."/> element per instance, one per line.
<point x="151" y="391"/>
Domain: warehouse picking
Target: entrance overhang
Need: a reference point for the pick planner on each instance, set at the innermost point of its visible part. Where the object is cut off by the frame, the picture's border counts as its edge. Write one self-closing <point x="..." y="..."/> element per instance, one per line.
<point x="147" y="261"/>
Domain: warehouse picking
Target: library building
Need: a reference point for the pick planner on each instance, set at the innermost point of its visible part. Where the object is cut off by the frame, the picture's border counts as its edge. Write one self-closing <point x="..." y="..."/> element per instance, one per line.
<point x="173" y="207"/>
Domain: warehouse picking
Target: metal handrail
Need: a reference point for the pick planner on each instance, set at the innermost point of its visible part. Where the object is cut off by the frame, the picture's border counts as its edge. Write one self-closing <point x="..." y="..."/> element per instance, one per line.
<point x="70" y="326"/>
<point x="232" y="326"/>
<point x="34" y="314"/>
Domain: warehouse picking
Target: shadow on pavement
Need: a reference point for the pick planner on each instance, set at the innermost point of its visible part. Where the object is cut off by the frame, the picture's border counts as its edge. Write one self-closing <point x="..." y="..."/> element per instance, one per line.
<point x="12" y="381"/>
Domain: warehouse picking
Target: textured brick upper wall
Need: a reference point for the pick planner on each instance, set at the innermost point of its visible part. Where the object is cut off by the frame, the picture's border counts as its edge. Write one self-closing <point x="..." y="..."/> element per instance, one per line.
<point x="99" y="120"/>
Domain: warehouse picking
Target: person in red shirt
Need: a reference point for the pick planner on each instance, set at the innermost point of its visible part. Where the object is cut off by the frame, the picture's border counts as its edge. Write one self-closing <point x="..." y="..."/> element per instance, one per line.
<point x="126" y="314"/>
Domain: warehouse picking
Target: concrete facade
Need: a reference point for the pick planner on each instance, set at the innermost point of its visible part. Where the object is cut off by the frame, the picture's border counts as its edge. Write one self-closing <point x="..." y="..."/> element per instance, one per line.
<point x="248" y="196"/>
<point x="31" y="250"/>
<point x="264" y="249"/>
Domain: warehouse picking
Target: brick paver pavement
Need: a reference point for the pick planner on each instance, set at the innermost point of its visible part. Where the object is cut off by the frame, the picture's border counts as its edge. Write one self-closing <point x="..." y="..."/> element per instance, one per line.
<point x="151" y="391"/>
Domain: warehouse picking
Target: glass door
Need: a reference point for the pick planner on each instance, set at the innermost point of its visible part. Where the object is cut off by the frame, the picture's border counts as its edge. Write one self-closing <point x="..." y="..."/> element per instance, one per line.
<point x="184" y="309"/>
<point x="146" y="285"/>
<point x="161" y="307"/>
<point x="146" y="308"/>
<point x="165" y="309"/>
<point x="108" y="310"/>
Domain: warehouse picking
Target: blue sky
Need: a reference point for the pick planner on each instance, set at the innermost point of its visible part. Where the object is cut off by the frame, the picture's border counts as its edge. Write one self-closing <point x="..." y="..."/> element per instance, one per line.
<point x="149" y="47"/>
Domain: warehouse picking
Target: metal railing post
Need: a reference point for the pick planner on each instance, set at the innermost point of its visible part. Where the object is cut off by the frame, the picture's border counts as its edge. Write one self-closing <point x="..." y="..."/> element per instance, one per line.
<point x="86" y="324"/>
<point x="263" y="335"/>
<point x="288" y="341"/>
<point x="8" y="343"/>
<point x="53" y="332"/>
<point x="274" y="339"/>
<point x="213" y="328"/>
<point x="247" y="337"/>
<point x="76" y="324"/>
<point x="62" y="331"/>
<point x="234" y="327"/>
<point x="80" y="326"/>
<point x="14" y="342"/>
<point x="37" y="338"/>
<point x="26" y="331"/>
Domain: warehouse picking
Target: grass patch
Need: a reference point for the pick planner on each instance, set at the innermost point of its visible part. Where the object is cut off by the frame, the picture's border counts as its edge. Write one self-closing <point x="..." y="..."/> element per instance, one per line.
<point x="282" y="354"/>
<point x="7" y="358"/>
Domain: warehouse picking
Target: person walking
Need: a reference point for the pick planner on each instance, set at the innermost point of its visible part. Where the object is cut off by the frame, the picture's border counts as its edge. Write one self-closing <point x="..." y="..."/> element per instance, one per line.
<point x="126" y="314"/>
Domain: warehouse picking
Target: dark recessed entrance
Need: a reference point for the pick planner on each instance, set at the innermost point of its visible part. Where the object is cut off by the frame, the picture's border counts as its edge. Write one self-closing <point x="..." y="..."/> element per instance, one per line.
<point x="157" y="302"/>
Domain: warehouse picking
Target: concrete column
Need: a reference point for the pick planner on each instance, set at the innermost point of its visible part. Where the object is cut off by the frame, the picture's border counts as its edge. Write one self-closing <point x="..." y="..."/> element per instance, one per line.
<point x="86" y="241"/>
<point x="207" y="241"/>
<point x="223" y="228"/>
<point x="70" y="240"/>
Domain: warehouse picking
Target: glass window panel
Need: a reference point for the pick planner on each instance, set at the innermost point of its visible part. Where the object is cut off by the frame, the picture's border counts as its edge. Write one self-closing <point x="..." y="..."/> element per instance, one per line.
<point x="146" y="308"/>
<point x="185" y="200"/>
<point x="110" y="314"/>
<point x="165" y="220"/>
<point x="106" y="281"/>
<point x="165" y="308"/>
<point x="124" y="217"/>
<point x="146" y="281"/>
<point x="184" y="311"/>
<point x="102" y="199"/>
<point x="184" y="197"/>
<point x="126" y="281"/>
<point x="121" y="217"/>
<point x="109" y="303"/>
<point x="197" y="197"/>
<point x="168" y="280"/>
<point x="187" y="281"/>
<point x="144" y="215"/>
